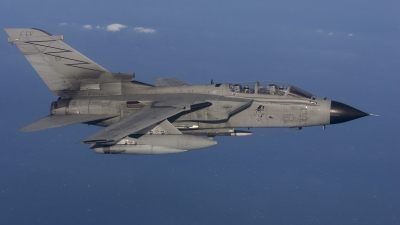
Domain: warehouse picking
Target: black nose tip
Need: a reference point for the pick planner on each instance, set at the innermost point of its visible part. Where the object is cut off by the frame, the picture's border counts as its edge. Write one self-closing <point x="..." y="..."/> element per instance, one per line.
<point x="341" y="113"/>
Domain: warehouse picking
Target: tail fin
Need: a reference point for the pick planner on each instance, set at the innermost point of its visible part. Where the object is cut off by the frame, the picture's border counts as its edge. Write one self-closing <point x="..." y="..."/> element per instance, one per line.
<point x="61" y="67"/>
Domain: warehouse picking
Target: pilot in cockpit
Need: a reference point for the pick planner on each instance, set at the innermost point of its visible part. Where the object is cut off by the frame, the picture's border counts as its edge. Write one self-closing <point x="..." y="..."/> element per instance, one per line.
<point x="272" y="89"/>
<point x="281" y="90"/>
<point x="246" y="89"/>
<point x="237" y="88"/>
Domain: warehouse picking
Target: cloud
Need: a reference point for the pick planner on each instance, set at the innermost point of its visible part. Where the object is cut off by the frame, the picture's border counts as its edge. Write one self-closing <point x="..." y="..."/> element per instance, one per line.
<point x="115" y="27"/>
<point x="87" y="27"/>
<point x="144" y="30"/>
<point x="97" y="27"/>
<point x="336" y="33"/>
<point x="63" y="24"/>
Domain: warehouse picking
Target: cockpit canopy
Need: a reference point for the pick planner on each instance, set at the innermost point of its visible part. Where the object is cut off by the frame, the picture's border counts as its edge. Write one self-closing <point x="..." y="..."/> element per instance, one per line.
<point x="270" y="88"/>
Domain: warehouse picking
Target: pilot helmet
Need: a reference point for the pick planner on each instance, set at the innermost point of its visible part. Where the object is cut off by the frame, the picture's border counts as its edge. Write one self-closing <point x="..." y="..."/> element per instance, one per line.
<point x="237" y="87"/>
<point x="272" y="88"/>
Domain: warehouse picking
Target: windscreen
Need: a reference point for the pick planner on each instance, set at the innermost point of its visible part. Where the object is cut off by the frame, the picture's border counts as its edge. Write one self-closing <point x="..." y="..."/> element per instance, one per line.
<point x="298" y="93"/>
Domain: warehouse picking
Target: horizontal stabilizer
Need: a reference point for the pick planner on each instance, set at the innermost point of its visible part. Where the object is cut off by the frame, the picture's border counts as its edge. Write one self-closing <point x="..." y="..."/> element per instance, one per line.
<point x="165" y="82"/>
<point x="59" y="121"/>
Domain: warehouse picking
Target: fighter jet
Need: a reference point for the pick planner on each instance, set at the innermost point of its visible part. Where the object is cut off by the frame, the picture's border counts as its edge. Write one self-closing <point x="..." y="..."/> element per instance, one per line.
<point x="170" y="116"/>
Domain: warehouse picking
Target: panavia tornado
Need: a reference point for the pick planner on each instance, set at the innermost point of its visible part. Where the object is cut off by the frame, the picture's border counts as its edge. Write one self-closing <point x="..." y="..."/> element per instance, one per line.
<point x="170" y="116"/>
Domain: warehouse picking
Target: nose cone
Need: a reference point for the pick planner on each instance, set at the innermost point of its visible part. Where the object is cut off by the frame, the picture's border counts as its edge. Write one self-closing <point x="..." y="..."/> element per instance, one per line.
<point x="341" y="113"/>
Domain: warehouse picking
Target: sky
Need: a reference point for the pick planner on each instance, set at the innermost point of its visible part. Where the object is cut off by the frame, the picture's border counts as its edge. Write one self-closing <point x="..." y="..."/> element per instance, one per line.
<point x="347" y="51"/>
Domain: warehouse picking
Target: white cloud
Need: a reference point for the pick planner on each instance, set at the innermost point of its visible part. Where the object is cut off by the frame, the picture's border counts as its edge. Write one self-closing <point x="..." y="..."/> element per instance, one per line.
<point x="144" y="30"/>
<point x="336" y="33"/>
<point x="115" y="27"/>
<point x="87" y="27"/>
<point x="97" y="27"/>
<point x="63" y="24"/>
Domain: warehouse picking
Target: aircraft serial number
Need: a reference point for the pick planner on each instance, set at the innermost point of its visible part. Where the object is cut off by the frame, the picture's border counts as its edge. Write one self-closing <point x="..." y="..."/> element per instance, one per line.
<point x="292" y="117"/>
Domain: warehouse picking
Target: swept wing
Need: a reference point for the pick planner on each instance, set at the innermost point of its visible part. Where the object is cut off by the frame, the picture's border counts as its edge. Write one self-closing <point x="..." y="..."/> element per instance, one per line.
<point x="143" y="118"/>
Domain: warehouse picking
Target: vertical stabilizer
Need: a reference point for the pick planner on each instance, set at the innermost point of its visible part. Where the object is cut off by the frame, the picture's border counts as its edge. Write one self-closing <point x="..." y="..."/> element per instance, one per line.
<point x="61" y="67"/>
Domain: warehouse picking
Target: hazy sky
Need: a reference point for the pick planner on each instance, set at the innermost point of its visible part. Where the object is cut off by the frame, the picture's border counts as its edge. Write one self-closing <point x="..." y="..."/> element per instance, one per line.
<point x="346" y="174"/>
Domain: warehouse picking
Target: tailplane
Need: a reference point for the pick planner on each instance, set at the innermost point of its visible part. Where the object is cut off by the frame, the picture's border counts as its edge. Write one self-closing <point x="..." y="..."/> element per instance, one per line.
<point x="61" y="67"/>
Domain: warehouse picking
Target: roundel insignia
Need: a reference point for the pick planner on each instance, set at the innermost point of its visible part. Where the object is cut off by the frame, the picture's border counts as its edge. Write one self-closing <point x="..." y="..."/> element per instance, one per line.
<point x="58" y="58"/>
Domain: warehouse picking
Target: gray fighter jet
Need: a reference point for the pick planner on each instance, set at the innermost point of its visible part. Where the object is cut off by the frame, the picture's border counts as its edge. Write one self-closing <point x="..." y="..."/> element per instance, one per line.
<point x="170" y="116"/>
